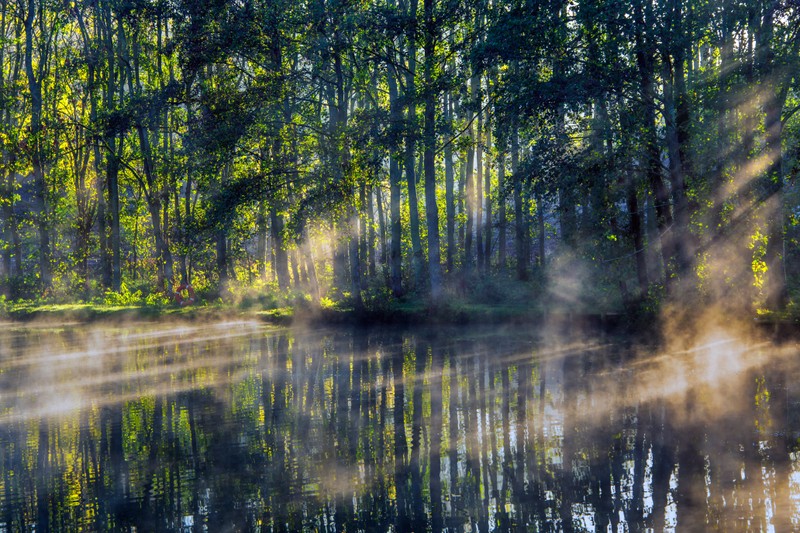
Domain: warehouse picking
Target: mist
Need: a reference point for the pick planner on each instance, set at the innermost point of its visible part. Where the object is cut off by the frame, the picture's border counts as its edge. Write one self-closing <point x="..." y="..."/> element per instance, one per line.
<point x="408" y="426"/>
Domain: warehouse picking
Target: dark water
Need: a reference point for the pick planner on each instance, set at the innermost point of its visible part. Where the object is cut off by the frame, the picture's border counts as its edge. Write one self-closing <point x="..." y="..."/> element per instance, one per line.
<point x="237" y="427"/>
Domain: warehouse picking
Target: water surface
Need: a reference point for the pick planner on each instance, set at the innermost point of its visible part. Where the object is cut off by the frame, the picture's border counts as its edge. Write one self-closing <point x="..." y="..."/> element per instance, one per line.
<point x="241" y="427"/>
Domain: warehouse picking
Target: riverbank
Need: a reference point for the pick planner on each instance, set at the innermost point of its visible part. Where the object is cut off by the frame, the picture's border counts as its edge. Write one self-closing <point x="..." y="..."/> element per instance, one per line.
<point x="405" y="313"/>
<point x="411" y="312"/>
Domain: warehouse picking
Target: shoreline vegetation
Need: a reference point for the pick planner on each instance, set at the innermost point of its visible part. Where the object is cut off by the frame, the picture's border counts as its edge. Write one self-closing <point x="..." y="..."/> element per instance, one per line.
<point x="406" y="312"/>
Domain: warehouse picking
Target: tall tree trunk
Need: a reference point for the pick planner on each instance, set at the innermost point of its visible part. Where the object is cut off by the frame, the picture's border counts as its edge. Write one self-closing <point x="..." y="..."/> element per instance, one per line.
<point x="449" y="176"/>
<point x="469" y="201"/>
<point x="567" y="196"/>
<point x="461" y="196"/>
<point x="541" y="232"/>
<point x="520" y="216"/>
<point x="487" y="193"/>
<point x="12" y="252"/>
<point x="311" y="268"/>
<point x="411" y="179"/>
<point x="222" y="243"/>
<point x="153" y="193"/>
<point x="680" y="228"/>
<point x="261" y="240"/>
<point x="644" y="62"/>
<point x="632" y="204"/>
<point x="298" y="283"/>
<point x="774" y="89"/>
<point x="501" y="209"/>
<point x="36" y="141"/>
<point x="112" y="267"/>
<point x="112" y="188"/>
<point x="86" y="202"/>
<point x="277" y="222"/>
<point x="186" y="263"/>
<point x="383" y="257"/>
<point x="348" y="221"/>
<point x="395" y="253"/>
<point x="154" y="206"/>
<point x="479" y="249"/>
<point x="363" y="225"/>
<point x="371" y="235"/>
<point x="355" y="260"/>
<point x="181" y="234"/>
<point x="7" y="186"/>
<point x="431" y="208"/>
<point x="636" y="229"/>
<point x="281" y="256"/>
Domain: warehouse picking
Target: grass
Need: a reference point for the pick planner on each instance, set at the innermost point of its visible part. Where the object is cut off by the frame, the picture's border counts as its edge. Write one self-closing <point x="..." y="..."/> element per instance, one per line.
<point x="473" y="300"/>
<point x="89" y="312"/>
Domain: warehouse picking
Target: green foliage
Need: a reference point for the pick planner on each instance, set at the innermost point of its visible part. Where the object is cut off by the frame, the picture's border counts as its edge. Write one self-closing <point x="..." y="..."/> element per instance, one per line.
<point x="123" y="298"/>
<point x="235" y="133"/>
<point x="25" y="287"/>
<point x="377" y="298"/>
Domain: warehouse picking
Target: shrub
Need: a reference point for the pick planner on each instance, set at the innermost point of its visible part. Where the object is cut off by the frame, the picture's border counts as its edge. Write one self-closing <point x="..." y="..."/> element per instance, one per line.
<point x="124" y="297"/>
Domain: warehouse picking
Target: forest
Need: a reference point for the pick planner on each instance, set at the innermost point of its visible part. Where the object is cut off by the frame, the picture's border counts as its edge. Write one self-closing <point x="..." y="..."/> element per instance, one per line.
<point x="592" y="155"/>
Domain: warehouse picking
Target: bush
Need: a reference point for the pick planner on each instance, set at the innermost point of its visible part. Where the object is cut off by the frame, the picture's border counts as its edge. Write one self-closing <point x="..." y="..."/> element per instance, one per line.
<point x="157" y="299"/>
<point x="124" y="297"/>
<point x="23" y="287"/>
<point x="377" y="297"/>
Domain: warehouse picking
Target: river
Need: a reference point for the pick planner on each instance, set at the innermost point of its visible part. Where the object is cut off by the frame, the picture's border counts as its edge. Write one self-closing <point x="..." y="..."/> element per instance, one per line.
<point x="238" y="426"/>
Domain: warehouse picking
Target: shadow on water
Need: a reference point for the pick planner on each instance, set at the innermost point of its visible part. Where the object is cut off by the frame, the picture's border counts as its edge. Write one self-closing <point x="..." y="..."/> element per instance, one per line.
<point x="241" y="428"/>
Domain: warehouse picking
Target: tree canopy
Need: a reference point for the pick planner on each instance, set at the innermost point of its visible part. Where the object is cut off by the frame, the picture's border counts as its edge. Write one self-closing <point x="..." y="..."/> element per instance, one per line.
<point x="594" y="155"/>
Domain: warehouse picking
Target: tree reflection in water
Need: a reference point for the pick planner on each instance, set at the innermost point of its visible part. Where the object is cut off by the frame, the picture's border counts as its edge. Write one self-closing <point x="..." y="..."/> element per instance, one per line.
<point x="244" y="428"/>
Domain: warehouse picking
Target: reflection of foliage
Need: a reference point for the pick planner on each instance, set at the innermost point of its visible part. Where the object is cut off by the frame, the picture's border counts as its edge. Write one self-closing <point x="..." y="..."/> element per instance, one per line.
<point x="194" y="422"/>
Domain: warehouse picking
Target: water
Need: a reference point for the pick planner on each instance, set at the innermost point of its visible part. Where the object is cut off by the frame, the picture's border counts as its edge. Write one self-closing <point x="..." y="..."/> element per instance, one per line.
<point x="241" y="427"/>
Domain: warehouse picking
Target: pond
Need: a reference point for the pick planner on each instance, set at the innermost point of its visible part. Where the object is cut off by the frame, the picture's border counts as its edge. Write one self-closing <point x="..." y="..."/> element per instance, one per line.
<point x="243" y="427"/>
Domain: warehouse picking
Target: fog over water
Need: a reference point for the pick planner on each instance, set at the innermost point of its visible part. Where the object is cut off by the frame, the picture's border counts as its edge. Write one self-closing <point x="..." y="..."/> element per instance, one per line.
<point x="242" y="427"/>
